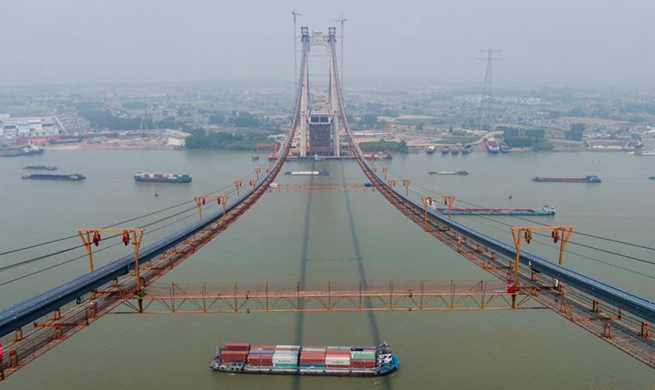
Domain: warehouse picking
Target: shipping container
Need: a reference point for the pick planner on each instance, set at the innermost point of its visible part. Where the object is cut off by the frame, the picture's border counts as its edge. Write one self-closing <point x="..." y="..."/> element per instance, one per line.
<point x="260" y="360"/>
<point x="363" y="363"/>
<point x="312" y="365"/>
<point x="362" y="355"/>
<point x="337" y="362"/>
<point x="285" y="365"/>
<point x="288" y="347"/>
<point x="261" y="351"/>
<point x="234" y="356"/>
<point x="237" y="347"/>
<point x="284" y="360"/>
<point x="263" y="347"/>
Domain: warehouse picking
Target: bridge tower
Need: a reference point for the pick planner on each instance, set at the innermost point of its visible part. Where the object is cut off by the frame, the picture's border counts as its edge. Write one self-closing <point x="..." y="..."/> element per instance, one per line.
<point x="319" y="131"/>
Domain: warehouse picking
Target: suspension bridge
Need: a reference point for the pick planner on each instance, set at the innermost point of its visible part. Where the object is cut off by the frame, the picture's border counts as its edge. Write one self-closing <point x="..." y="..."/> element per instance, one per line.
<point x="128" y="285"/>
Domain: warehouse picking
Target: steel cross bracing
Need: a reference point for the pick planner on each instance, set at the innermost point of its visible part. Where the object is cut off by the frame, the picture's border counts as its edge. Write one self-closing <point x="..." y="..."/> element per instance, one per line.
<point x="617" y="316"/>
<point x="33" y="327"/>
<point x="390" y="296"/>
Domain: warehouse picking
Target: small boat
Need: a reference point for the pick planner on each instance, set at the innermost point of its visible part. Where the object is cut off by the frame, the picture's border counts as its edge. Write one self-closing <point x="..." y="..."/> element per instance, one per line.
<point x="445" y="150"/>
<point x="468" y="148"/>
<point x="455" y="150"/>
<point x="651" y="177"/>
<point x="254" y="157"/>
<point x="452" y="173"/>
<point x="307" y="173"/>
<point x="47" y="176"/>
<point x="357" y="361"/>
<point x="586" y="179"/>
<point x="504" y="148"/>
<point x="41" y="167"/>
<point x="431" y="149"/>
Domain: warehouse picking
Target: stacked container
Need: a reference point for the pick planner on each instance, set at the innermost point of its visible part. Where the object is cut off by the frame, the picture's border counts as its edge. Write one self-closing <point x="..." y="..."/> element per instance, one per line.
<point x="235" y="353"/>
<point x="363" y="357"/>
<point x="286" y="356"/>
<point x="313" y="357"/>
<point x="261" y="356"/>
<point x="337" y="357"/>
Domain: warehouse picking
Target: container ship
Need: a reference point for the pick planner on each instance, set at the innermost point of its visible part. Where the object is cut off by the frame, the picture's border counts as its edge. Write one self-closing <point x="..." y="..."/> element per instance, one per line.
<point x="41" y="167"/>
<point x="545" y="211"/>
<point x="452" y="173"/>
<point x="307" y="173"/>
<point x="47" y="176"/>
<point x="492" y="146"/>
<point x="586" y="179"/>
<point x="146" y="177"/>
<point x="296" y="360"/>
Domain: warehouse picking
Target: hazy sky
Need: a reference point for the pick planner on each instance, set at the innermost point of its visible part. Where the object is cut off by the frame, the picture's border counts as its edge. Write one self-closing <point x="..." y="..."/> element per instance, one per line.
<point x="546" y="41"/>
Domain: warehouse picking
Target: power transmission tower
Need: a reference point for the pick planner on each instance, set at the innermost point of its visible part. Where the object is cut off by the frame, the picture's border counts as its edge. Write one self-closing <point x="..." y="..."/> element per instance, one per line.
<point x="342" y="20"/>
<point x="486" y="114"/>
<point x="295" y="49"/>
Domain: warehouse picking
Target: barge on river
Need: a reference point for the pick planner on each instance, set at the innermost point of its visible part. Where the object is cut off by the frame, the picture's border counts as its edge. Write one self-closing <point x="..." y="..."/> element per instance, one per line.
<point x="309" y="360"/>
<point x="586" y="179"/>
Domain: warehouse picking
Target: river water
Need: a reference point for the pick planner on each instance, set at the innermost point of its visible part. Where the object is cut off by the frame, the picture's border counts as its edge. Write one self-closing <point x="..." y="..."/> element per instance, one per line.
<point x="337" y="237"/>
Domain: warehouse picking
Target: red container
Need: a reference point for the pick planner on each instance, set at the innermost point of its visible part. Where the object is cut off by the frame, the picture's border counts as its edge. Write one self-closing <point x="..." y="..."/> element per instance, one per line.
<point x="263" y="347"/>
<point x="237" y="347"/>
<point x="234" y="356"/>
<point x="260" y="360"/>
<point x="314" y="346"/>
<point x="362" y="363"/>
<point x="310" y="357"/>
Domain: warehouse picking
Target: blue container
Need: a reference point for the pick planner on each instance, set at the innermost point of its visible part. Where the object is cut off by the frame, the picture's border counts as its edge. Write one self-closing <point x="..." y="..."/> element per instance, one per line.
<point x="312" y="366"/>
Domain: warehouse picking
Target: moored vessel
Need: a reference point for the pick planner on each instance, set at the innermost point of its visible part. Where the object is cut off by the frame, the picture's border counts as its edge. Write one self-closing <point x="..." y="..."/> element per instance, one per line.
<point x="23" y="151"/>
<point x="586" y="179"/>
<point x="48" y="176"/>
<point x="431" y="149"/>
<point x="492" y="146"/>
<point x="147" y="177"/>
<point x="306" y="360"/>
<point x="445" y="150"/>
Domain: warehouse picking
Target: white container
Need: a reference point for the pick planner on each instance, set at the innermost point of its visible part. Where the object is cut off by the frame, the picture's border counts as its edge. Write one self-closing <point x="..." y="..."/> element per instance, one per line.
<point x="337" y="361"/>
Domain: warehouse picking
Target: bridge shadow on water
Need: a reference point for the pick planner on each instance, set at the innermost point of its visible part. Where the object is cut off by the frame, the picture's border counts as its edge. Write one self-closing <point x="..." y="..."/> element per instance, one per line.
<point x="375" y="330"/>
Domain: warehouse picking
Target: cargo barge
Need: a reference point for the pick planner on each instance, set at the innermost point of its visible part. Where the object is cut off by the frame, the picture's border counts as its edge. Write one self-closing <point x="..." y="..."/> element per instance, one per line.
<point x="146" y="177"/>
<point x="47" y="176"/>
<point x="41" y="167"/>
<point x="307" y="173"/>
<point x="451" y="173"/>
<point x="586" y="179"/>
<point x="545" y="211"/>
<point x="310" y="360"/>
